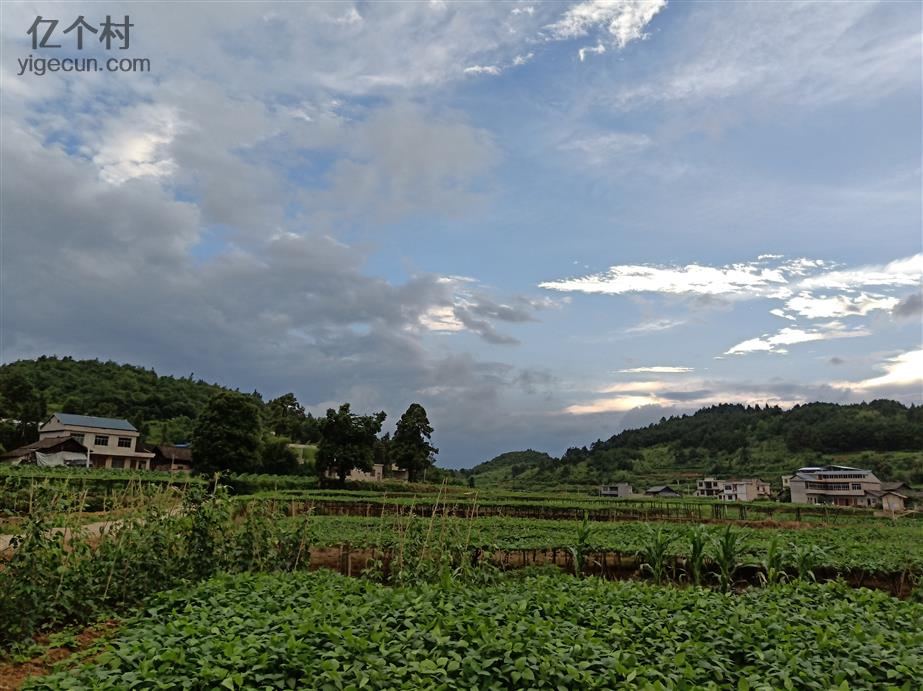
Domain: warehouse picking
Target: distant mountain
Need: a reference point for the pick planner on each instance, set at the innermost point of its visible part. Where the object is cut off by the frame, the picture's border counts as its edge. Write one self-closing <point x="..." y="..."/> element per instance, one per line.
<point x="731" y="439"/>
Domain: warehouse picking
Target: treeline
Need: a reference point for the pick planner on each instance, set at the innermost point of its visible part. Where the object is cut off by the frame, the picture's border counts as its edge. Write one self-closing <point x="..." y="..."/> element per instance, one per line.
<point x="229" y="431"/>
<point x="881" y="425"/>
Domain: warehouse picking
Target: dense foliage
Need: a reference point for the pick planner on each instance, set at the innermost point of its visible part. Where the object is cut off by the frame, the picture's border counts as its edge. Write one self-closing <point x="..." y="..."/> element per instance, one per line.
<point x="51" y="579"/>
<point x="348" y="441"/>
<point x="732" y="439"/>
<point x="325" y="631"/>
<point x="410" y="449"/>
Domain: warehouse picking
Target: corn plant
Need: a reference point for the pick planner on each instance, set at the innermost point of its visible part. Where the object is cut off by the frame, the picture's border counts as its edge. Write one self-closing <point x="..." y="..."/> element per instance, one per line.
<point x="728" y="552"/>
<point x="806" y="558"/>
<point x="695" y="563"/>
<point x="772" y="563"/>
<point x="655" y="553"/>
<point x="581" y="547"/>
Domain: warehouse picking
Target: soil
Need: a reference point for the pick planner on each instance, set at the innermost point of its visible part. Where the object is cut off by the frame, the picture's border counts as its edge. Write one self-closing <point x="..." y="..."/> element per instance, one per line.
<point x="14" y="674"/>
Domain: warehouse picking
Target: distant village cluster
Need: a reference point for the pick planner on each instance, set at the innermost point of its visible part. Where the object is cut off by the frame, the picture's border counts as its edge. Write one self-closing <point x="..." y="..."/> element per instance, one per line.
<point x="832" y="485"/>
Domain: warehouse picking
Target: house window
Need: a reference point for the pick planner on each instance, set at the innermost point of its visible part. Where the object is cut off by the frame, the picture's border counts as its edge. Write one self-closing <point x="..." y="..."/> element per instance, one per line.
<point x="856" y="485"/>
<point x="101" y="440"/>
<point x="78" y="437"/>
<point x="125" y="442"/>
<point x="118" y="463"/>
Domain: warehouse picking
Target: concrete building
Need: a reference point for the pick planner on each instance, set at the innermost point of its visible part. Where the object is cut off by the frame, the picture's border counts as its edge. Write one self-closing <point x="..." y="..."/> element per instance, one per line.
<point x="620" y="489"/>
<point x="839" y="485"/>
<point x="111" y="442"/>
<point x="749" y="489"/>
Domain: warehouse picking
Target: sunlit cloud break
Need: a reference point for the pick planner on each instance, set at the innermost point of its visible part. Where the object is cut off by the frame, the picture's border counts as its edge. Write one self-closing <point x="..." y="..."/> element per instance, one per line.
<point x="657" y="369"/>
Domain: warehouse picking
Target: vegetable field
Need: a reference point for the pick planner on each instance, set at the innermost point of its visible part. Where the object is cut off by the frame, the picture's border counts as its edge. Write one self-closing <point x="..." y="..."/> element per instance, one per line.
<point x="325" y="631"/>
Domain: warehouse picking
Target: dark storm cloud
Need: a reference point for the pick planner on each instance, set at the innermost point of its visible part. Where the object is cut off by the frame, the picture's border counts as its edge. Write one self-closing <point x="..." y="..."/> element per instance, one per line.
<point x="911" y="307"/>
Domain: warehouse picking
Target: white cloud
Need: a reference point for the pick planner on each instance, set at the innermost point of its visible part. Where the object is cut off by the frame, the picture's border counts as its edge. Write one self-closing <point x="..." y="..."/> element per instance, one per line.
<point x="134" y="144"/>
<point x="598" y="49"/>
<point x="790" y="336"/>
<point x="634" y="387"/>
<point x="833" y="306"/>
<point x="623" y="20"/>
<point x="747" y="280"/>
<point x="900" y="272"/>
<point x="781" y="313"/>
<point x="523" y="59"/>
<point x="904" y="370"/>
<point x="655" y="325"/>
<point x="483" y="69"/>
<point x="794" y="281"/>
<point x="618" y="404"/>
<point x="658" y="369"/>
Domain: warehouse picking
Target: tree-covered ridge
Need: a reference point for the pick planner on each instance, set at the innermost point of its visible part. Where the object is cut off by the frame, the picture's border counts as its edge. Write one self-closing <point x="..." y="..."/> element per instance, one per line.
<point x="163" y="408"/>
<point x="110" y="389"/>
<point x="881" y="425"/>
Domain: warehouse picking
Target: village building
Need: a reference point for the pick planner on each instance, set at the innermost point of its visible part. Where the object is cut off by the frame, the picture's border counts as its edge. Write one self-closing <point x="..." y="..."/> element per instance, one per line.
<point x="50" y="452"/>
<point x="619" y="489"/>
<point x="110" y="442"/>
<point x="376" y="474"/>
<point x="838" y="485"/>
<point x="662" y="491"/>
<point x="750" y="489"/>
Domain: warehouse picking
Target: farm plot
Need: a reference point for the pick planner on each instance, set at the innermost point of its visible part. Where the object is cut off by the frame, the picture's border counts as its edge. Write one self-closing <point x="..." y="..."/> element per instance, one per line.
<point x="322" y="630"/>
<point x="881" y="548"/>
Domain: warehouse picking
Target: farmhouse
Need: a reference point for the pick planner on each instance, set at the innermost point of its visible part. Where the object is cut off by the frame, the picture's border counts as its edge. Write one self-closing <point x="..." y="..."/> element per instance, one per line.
<point x="749" y="489"/>
<point x="50" y="452"/>
<point x="839" y="485"/>
<point x="661" y="491"/>
<point x="620" y="489"/>
<point x="110" y="442"/>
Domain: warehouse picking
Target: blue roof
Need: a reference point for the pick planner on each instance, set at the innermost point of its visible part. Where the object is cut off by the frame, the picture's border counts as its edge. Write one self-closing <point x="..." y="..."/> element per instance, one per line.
<point x="90" y="421"/>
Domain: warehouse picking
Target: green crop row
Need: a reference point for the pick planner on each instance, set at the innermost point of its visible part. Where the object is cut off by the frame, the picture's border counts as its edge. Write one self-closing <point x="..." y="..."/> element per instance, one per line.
<point x="325" y="631"/>
<point x="883" y="548"/>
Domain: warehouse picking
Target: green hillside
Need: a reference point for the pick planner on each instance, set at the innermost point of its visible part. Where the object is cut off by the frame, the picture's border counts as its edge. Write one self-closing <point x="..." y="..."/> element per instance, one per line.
<point x="730" y="440"/>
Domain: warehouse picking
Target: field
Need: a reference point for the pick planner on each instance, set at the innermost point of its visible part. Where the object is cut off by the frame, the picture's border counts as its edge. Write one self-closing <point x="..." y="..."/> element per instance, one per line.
<point x="446" y="589"/>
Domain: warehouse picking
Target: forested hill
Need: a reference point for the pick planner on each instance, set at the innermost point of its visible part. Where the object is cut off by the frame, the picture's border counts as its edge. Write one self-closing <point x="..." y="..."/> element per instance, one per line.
<point x="108" y="389"/>
<point x="163" y="408"/>
<point x="734" y="439"/>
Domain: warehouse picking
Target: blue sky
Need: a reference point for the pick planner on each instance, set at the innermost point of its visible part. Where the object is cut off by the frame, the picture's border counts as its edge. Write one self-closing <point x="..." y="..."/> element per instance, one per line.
<point x="543" y="221"/>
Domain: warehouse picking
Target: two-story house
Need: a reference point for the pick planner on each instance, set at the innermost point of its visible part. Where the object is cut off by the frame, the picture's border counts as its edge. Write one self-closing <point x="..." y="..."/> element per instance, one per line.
<point x="111" y="442"/>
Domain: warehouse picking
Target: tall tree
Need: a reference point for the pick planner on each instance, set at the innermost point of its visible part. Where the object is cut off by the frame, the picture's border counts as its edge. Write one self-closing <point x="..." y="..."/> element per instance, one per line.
<point x="228" y="434"/>
<point x="410" y="448"/>
<point x="347" y="441"/>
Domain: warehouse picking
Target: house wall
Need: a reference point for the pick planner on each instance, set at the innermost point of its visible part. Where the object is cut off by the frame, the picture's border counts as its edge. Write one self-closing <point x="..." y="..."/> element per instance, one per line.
<point x="110" y="455"/>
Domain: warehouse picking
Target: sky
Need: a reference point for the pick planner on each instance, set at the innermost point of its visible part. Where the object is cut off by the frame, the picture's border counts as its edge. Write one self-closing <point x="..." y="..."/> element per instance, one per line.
<point x="545" y="222"/>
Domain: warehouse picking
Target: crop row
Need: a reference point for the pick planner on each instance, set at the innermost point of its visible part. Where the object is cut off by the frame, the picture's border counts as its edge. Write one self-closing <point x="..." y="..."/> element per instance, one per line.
<point x="324" y="631"/>
<point x="884" y="548"/>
